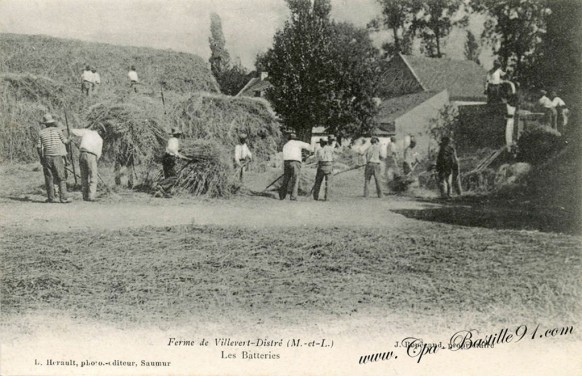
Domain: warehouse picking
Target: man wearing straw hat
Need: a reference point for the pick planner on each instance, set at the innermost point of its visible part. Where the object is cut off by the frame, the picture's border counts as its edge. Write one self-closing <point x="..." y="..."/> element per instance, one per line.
<point x="172" y="152"/>
<point x="242" y="155"/>
<point x="52" y="152"/>
<point x="292" y="166"/>
<point x="324" y="158"/>
<point x="90" y="148"/>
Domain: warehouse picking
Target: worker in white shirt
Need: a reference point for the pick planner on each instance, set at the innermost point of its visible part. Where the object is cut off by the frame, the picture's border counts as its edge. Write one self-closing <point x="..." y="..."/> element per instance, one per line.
<point x="549" y="109"/>
<point x="91" y="147"/>
<point x="494" y="81"/>
<point x="86" y="80"/>
<point x="96" y="80"/>
<point x="561" y="109"/>
<point x="374" y="154"/>
<point x="324" y="159"/>
<point x="133" y="79"/>
<point x="242" y="155"/>
<point x="292" y="165"/>
<point x="172" y="153"/>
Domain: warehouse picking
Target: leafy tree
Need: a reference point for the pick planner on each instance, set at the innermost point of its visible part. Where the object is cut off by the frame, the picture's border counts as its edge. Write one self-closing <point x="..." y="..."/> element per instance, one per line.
<point x="233" y="79"/>
<point x="396" y="17"/>
<point x="434" y="20"/>
<point x="323" y="73"/>
<point x="472" y="49"/>
<point x="515" y="29"/>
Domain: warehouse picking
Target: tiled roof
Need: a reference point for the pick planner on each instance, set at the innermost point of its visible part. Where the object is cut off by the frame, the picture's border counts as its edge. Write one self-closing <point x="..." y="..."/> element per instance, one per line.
<point x="254" y="85"/>
<point x="392" y="108"/>
<point x="464" y="79"/>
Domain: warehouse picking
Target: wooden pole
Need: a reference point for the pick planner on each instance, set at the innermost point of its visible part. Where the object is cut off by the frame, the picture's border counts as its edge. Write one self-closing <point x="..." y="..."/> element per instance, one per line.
<point x="71" y="149"/>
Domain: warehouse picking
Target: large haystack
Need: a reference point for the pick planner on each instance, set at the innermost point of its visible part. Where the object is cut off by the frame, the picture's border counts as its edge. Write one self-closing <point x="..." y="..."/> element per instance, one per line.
<point x="64" y="60"/>
<point x="24" y="99"/>
<point x="222" y="119"/>
<point x="135" y="129"/>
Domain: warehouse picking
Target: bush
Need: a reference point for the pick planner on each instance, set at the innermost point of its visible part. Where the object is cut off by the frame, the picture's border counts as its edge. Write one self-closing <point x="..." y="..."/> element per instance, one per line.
<point x="538" y="144"/>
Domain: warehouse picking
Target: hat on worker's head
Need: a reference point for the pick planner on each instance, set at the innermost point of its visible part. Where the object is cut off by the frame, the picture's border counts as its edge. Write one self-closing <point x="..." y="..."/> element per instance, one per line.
<point x="331" y="138"/>
<point x="543" y="92"/>
<point x="175" y="132"/>
<point x="322" y="141"/>
<point x="445" y="140"/>
<point x="496" y="63"/>
<point x="292" y="136"/>
<point x="242" y="136"/>
<point x="48" y="119"/>
<point x="132" y="67"/>
<point x="374" y="140"/>
<point x="87" y="67"/>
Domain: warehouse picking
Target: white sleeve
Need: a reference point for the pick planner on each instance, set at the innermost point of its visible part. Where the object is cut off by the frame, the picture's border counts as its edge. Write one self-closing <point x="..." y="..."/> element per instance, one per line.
<point x="79" y="132"/>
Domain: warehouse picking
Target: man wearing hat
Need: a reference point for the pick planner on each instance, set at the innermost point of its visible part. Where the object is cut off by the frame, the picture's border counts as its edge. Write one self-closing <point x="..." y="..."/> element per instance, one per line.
<point x="52" y="152"/>
<point x="324" y="159"/>
<point x="549" y="109"/>
<point x="90" y="148"/>
<point x="172" y="152"/>
<point x="373" y="153"/>
<point x="86" y="80"/>
<point x="242" y="155"/>
<point x="96" y="79"/>
<point x="292" y="165"/>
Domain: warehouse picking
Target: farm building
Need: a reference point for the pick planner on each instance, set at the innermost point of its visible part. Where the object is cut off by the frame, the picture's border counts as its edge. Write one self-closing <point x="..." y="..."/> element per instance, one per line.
<point x="256" y="87"/>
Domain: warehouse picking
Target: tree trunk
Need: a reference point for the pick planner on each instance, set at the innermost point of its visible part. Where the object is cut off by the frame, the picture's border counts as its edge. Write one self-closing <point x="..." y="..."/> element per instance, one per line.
<point x="396" y="40"/>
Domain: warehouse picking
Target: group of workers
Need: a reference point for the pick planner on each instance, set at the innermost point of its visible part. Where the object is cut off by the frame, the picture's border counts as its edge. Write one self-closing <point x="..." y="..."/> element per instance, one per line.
<point x="91" y="80"/>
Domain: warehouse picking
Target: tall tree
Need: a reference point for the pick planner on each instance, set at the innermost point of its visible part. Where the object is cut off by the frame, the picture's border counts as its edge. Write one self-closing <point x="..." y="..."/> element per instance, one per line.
<point x="396" y="17"/>
<point x="230" y="77"/>
<point x="219" y="56"/>
<point x="322" y="72"/>
<point x="515" y="29"/>
<point x="472" y="49"/>
<point x="433" y="22"/>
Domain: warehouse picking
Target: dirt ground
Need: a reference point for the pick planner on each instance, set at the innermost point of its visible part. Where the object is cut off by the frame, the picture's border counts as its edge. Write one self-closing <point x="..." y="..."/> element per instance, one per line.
<point x="131" y="265"/>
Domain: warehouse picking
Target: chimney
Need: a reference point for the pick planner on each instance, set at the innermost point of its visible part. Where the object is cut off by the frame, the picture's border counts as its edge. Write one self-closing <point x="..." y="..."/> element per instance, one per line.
<point x="264" y="75"/>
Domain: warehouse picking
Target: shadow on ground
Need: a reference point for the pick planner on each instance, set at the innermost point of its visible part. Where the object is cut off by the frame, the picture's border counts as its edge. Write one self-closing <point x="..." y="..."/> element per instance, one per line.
<point x="498" y="217"/>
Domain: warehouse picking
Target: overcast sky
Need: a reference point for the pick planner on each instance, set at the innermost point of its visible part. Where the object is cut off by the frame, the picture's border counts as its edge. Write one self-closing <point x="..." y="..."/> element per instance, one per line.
<point x="181" y="25"/>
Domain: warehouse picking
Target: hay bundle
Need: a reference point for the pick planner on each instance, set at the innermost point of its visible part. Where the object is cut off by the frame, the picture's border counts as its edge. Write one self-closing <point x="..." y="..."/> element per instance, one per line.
<point x="223" y="119"/>
<point x="135" y="132"/>
<point x="208" y="173"/>
<point x="24" y="99"/>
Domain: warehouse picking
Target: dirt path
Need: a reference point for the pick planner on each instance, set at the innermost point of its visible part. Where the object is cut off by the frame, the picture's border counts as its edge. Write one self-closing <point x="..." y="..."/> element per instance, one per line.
<point x="242" y="211"/>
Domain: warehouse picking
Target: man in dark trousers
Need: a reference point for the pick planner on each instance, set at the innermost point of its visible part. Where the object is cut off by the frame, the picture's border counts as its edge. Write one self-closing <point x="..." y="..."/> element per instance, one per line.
<point x="292" y="165"/>
<point x="374" y="153"/>
<point x="52" y="153"/>
<point x="324" y="158"/>
<point x="447" y="167"/>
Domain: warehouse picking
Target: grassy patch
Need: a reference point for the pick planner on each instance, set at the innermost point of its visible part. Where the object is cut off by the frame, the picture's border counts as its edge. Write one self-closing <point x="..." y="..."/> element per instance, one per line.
<point x="156" y="275"/>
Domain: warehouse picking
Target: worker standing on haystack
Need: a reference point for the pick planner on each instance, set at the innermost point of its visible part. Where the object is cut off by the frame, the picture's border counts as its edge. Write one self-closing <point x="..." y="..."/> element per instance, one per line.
<point x="562" y="111"/>
<point x="172" y="153"/>
<point x="96" y="80"/>
<point x="374" y="154"/>
<point x="242" y="155"/>
<point x="324" y="159"/>
<point x="52" y="152"/>
<point x="493" y="84"/>
<point x="411" y="157"/>
<point x="90" y="148"/>
<point x="447" y="167"/>
<point x="292" y="166"/>
<point x="133" y="79"/>
<point x="87" y="81"/>
<point x="549" y="109"/>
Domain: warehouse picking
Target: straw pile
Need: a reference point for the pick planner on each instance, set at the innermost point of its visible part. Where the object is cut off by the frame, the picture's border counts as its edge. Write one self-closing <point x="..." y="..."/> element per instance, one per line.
<point x="24" y="99"/>
<point x="208" y="173"/>
<point x="222" y="119"/>
<point x="134" y="129"/>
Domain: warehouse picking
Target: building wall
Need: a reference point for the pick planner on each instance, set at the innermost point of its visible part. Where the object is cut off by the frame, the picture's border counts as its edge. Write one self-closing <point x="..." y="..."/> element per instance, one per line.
<point x="416" y="122"/>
